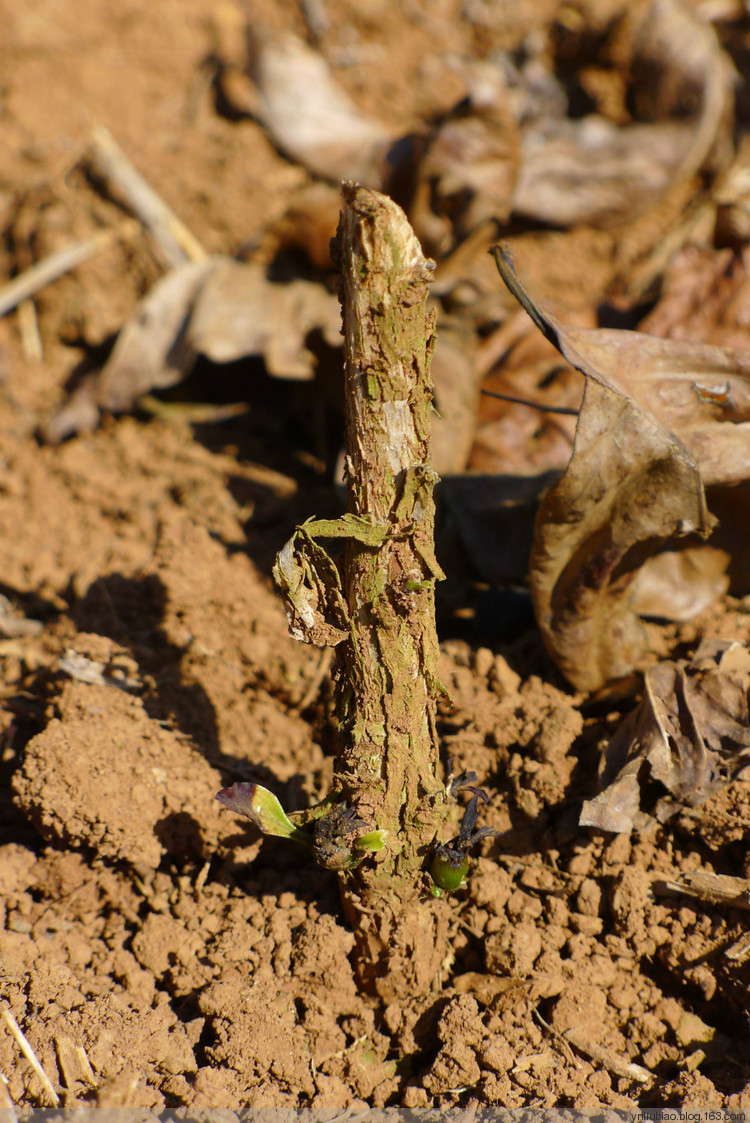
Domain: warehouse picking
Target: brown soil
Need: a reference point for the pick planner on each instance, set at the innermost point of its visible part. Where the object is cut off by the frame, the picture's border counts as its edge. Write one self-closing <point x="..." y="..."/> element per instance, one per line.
<point x="153" y="950"/>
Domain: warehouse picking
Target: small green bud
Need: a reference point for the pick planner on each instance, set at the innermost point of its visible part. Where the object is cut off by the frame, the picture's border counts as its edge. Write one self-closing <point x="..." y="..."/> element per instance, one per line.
<point x="449" y="869"/>
<point x="375" y="840"/>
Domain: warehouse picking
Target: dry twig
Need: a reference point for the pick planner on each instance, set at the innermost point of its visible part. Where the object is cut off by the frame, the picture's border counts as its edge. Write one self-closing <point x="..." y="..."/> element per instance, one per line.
<point x="608" y="1058"/>
<point x="713" y="888"/>
<point x="33" y="280"/>
<point x="109" y="164"/>
<point x="30" y="1056"/>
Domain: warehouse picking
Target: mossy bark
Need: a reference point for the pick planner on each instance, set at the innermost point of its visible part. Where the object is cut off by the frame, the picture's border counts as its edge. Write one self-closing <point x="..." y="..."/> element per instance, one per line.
<point x="379" y="608"/>
<point x="389" y="763"/>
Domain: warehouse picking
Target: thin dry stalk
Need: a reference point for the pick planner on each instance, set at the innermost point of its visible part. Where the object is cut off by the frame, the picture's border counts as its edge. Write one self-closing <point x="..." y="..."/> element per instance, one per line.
<point x="109" y="164"/>
<point x="30" y="1056"/>
<point x="57" y="264"/>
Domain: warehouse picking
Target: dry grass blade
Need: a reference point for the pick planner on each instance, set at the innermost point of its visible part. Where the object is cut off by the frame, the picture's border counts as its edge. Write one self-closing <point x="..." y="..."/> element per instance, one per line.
<point x="108" y="163"/>
<point x="30" y="1056"/>
<point x="36" y="278"/>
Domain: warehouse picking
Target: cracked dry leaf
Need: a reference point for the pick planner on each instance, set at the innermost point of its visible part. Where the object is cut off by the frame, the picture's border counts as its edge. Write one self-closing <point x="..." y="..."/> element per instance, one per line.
<point x="220" y="308"/>
<point x="630" y="485"/>
<point x="688" y="738"/>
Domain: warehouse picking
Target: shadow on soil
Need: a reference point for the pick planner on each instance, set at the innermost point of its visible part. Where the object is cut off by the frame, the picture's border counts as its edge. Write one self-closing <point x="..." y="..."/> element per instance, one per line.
<point x="130" y="611"/>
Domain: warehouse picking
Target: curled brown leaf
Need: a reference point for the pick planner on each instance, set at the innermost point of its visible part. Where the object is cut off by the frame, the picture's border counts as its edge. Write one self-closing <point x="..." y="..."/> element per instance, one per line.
<point x="630" y="485"/>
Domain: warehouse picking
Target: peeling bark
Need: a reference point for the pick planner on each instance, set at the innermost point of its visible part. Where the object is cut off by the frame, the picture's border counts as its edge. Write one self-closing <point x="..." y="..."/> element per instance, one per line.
<point x="390" y="754"/>
<point x="379" y="609"/>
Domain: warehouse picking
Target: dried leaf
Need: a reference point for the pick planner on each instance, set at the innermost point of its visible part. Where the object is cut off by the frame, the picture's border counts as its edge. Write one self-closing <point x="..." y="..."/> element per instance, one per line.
<point x="311" y="586"/>
<point x="678" y="584"/>
<point x="240" y="312"/>
<point x="591" y="170"/>
<point x="690" y="735"/>
<point x="152" y="351"/>
<point x="310" y="117"/>
<point x="698" y="392"/>
<point x="630" y="484"/>
<point x="220" y="308"/>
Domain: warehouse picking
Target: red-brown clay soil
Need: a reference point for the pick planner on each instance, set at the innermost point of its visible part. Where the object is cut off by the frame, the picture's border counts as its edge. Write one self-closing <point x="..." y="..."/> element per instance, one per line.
<point x="153" y="950"/>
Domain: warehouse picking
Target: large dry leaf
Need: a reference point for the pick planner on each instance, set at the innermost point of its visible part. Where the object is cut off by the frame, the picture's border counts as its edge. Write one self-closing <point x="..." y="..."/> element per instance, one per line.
<point x="219" y="308"/>
<point x="699" y="392"/>
<point x="630" y="484"/>
<point x="660" y="420"/>
<point x="689" y="737"/>
<point x="590" y="170"/>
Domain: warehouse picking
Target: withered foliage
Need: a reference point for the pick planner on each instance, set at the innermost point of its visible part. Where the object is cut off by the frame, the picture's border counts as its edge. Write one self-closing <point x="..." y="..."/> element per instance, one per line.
<point x="660" y="420"/>
<point x="689" y="737"/>
<point x="219" y="308"/>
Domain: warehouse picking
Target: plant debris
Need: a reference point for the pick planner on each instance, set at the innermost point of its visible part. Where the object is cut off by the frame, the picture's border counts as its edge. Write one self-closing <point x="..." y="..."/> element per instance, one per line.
<point x="653" y="431"/>
<point x="688" y="738"/>
<point x="219" y="308"/>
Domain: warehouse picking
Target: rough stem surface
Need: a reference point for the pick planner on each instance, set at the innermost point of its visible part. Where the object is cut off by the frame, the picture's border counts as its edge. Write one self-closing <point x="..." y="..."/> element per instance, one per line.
<point x="389" y="763"/>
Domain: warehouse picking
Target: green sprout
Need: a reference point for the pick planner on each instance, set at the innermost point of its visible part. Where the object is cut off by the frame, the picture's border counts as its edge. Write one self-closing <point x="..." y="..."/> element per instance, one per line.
<point x="263" y="808"/>
<point x="450" y="862"/>
<point x="330" y="825"/>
